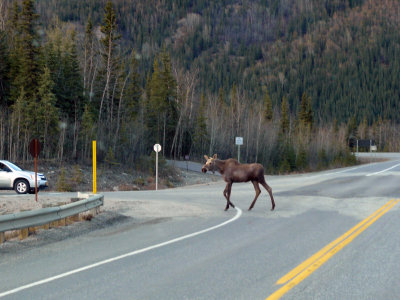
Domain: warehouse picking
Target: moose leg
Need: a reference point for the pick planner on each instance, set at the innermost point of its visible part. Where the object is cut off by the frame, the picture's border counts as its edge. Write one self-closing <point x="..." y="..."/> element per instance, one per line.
<point x="269" y="190"/>
<point x="227" y="194"/>
<point x="258" y="192"/>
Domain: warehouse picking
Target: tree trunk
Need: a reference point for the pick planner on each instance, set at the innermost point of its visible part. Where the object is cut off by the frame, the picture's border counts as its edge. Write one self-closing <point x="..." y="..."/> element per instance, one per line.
<point x="92" y="83"/>
<point x="119" y="111"/>
<point x="108" y="77"/>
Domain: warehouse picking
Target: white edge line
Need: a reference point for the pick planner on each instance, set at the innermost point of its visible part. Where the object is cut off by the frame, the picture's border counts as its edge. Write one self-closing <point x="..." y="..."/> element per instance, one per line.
<point x="43" y="281"/>
<point x="347" y="169"/>
<point x="379" y="172"/>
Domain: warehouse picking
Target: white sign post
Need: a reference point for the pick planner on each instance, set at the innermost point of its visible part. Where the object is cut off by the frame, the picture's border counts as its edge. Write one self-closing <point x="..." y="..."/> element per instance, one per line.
<point x="157" y="148"/>
<point x="239" y="141"/>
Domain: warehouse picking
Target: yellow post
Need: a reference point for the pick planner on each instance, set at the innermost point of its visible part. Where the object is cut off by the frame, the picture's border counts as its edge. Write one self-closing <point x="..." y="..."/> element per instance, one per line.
<point x="94" y="168"/>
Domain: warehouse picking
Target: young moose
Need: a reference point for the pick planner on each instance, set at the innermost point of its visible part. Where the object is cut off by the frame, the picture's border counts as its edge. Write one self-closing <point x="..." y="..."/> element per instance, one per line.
<point x="232" y="171"/>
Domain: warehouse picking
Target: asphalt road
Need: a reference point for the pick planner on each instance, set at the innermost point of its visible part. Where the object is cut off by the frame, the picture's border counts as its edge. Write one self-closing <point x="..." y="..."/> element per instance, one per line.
<point x="235" y="254"/>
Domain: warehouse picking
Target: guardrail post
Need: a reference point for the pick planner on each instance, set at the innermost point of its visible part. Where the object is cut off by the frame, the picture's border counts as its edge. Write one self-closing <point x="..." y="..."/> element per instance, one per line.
<point x="23" y="233"/>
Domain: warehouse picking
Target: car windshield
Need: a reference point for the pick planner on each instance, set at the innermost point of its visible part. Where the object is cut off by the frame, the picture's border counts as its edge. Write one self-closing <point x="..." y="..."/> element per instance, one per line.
<point x="14" y="167"/>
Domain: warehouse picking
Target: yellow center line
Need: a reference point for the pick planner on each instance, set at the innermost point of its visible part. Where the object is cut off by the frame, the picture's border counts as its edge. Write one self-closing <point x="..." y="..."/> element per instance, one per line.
<point x="321" y="252"/>
<point x="306" y="268"/>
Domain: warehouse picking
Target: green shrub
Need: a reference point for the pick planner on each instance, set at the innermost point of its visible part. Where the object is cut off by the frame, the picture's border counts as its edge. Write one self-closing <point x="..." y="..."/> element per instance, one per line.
<point x="62" y="184"/>
<point x="301" y="159"/>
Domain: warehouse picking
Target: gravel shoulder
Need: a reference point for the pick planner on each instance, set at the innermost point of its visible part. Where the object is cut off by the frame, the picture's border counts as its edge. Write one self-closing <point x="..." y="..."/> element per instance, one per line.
<point x="119" y="211"/>
<point x="10" y="202"/>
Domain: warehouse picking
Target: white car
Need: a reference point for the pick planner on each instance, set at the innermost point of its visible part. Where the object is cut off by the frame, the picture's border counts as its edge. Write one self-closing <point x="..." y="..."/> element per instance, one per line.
<point x="13" y="177"/>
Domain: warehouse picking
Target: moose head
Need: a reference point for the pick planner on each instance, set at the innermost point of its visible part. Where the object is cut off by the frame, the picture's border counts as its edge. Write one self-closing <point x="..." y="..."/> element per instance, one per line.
<point x="210" y="164"/>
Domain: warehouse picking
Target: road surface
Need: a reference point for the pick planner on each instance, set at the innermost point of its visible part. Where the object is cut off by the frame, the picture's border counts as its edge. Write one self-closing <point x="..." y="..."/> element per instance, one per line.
<point x="320" y="223"/>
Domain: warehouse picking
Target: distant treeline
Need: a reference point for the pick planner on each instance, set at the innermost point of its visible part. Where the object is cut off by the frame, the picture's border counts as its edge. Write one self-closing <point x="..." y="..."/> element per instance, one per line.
<point x="296" y="79"/>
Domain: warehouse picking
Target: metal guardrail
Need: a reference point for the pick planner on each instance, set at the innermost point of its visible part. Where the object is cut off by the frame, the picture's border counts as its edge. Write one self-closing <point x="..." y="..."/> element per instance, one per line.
<point x="46" y="215"/>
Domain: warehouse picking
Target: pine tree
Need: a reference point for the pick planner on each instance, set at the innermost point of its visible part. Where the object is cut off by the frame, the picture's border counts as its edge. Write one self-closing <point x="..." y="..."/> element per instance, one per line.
<point x="284" y="125"/>
<point x="200" y="135"/>
<point x="62" y="59"/>
<point x="24" y="45"/>
<point x="167" y="77"/>
<point x="157" y="105"/>
<point x="76" y="90"/>
<point x="268" y="113"/>
<point x="162" y="105"/>
<point x="45" y="120"/>
<point x="352" y="128"/>
<point x="134" y="91"/>
<point x="109" y="42"/>
<point x="4" y="69"/>
<point x="29" y="47"/>
<point x="170" y="96"/>
<point x="87" y="131"/>
<point x="19" y="123"/>
<point x="14" y="49"/>
<point x="305" y="114"/>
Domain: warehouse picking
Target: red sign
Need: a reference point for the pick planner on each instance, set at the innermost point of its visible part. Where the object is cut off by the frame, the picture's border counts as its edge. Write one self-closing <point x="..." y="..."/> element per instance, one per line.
<point x="35" y="147"/>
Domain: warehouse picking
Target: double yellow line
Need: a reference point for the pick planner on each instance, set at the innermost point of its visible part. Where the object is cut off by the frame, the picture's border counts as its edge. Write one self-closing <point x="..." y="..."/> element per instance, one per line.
<point x="307" y="267"/>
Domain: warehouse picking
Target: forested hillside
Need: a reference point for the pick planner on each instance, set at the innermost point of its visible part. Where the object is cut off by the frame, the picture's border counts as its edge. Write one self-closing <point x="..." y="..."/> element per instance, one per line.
<point x="295" y="78"/>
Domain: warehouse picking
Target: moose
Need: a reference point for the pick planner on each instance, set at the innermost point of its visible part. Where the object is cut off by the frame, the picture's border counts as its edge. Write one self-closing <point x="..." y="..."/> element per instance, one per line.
<point x="233" y="171"/>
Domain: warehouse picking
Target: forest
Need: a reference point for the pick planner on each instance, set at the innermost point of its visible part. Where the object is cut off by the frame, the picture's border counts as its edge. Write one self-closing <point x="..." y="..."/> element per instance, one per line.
<point x="295" y="79"/>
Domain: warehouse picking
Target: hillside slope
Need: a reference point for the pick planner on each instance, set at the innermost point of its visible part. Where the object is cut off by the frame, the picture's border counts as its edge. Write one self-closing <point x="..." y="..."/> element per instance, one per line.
<point x="344" y="53"/>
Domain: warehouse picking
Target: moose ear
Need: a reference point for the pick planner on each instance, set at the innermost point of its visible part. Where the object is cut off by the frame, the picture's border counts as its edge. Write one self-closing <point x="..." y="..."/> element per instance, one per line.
<point x="206" y="157"/>
<point x="215" y="156"/>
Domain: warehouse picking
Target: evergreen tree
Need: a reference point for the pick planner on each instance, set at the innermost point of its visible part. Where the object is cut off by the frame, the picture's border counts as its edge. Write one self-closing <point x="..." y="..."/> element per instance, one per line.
<point x="4" y="69"/>
<point x="301" y="158"/>
<point x="168" y="79"/>
<point x="45" y="120"/>
<point x="305" y="113"/>
<point x="133" y="91"/>
<point x="157" y="105"/>
<point x="162" y="110"/>
<point x="24" y="49"/>
<point x="70" y="99"/>
<point x="284" y="124"/>
<point x="29" y="49"/>
<point x="352" y="128"/>
<point x="268" y="113"/>
<point x="14" y="49"/>
<point x="20" y="123"/>
<point x="109" y="55"/>
<point x="200" y="136"/>
<point x="75" y="93"/>
<point x="87" y="131"/>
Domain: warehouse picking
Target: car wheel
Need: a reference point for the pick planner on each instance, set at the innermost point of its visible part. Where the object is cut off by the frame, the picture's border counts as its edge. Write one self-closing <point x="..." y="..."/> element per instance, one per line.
<point x="21" y="186"/>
